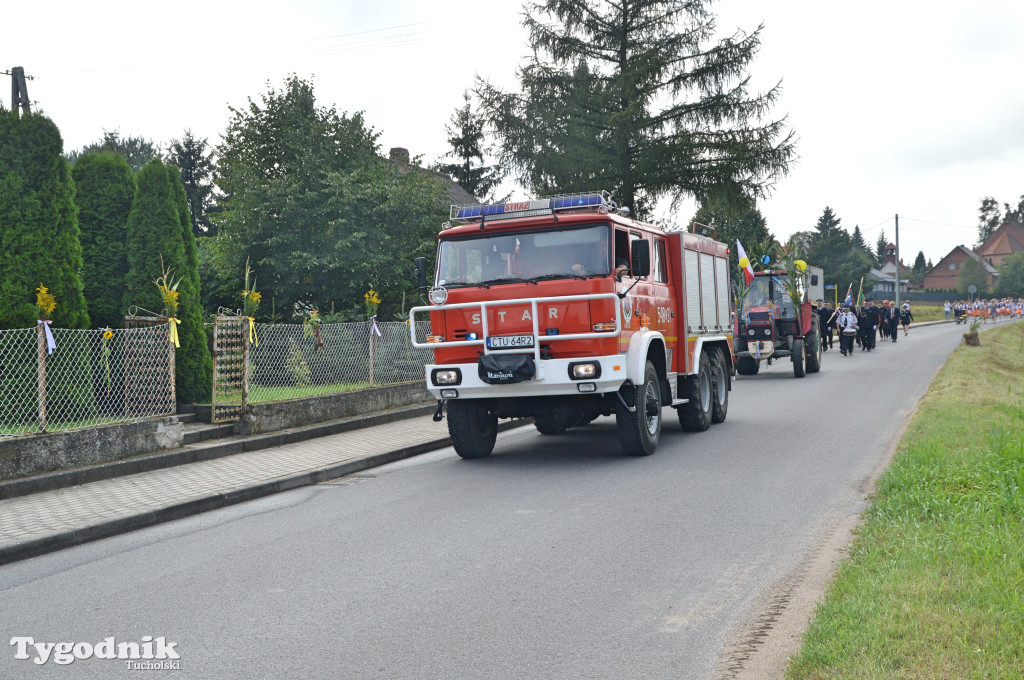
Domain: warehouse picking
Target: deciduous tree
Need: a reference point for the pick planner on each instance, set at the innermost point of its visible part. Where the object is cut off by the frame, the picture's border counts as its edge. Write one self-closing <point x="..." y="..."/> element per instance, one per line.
<point x="316" y="210"/>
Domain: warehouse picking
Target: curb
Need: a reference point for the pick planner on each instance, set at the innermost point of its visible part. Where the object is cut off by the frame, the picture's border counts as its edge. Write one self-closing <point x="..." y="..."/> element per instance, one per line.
<point x="200" y="451"/>
<point x="195" y="506"/>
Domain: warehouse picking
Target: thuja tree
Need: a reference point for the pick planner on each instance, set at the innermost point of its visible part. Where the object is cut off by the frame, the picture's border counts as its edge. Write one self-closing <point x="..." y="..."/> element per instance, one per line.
<point x="106" y="189"/>
<point x="38" y="224"/>
<point x="160" y="237"/>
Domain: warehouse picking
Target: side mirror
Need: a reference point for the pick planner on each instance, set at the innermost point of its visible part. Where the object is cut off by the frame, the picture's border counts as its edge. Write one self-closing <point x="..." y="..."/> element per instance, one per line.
<point x="421" y="274"/>
<point x="814" y="279"/>
<point x="640" y="255"/>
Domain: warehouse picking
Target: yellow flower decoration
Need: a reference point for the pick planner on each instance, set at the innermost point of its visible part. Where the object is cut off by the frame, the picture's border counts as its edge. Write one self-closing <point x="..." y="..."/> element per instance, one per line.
<point x="108" y="334"/>
<point x="45" y="302"/>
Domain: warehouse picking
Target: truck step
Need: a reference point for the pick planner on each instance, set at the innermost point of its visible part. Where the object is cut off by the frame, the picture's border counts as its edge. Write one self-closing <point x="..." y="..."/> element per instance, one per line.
<point x="679" y="402"/>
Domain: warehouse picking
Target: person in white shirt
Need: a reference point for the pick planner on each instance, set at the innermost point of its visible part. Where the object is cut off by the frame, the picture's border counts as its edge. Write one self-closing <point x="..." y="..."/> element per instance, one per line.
<point x="847" y="323"/>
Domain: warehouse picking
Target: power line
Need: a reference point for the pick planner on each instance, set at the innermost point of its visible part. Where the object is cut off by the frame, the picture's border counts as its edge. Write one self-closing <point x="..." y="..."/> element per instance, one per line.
<point x="941" y="224"/>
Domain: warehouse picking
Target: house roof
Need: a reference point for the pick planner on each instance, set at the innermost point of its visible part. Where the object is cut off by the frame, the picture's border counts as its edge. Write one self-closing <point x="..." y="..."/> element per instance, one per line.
<point x="456" y="194"/>
<point x="1007" y="239"/>
<point x="963" y="250"/>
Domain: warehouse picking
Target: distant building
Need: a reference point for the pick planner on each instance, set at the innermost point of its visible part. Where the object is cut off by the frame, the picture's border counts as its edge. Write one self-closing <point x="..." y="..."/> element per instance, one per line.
<point x="945" y="274"/>
<point x="884" y="277"/>
<point x="1006" y="240"/>
<point x="400" y="157"/>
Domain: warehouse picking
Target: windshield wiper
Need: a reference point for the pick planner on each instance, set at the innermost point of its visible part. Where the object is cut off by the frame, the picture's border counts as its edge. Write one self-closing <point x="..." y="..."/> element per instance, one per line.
<point x="504" y="279"/>
<point x="545" y="277"/>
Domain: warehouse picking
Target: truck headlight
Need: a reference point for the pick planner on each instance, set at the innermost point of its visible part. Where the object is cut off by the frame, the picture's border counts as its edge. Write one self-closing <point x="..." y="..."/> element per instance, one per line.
<point x="446" y="376"/>
<point x="584" y="370"/>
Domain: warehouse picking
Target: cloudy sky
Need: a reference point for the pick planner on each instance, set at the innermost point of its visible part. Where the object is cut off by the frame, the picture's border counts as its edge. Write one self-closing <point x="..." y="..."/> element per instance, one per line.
<point x="907" y="108"/>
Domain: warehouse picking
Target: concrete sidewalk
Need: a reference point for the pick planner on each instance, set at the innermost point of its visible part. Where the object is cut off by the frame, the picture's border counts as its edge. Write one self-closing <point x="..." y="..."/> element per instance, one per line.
<point x="46" y="521"/>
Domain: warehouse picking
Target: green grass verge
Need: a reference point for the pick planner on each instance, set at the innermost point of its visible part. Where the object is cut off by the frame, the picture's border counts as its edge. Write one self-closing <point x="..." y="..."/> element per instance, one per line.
<point x="934" y="585"/>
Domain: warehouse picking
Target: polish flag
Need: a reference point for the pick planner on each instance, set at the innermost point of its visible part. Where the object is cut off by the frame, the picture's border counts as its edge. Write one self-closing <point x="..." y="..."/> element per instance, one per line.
<point x="748" y="271"/>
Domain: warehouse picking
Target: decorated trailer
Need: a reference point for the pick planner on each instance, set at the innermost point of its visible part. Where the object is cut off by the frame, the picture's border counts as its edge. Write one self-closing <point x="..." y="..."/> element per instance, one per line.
<point x="565" y="309"/>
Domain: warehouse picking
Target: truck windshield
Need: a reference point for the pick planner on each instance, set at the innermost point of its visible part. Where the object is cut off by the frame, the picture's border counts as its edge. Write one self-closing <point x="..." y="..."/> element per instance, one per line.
<point x="768" y="292"/>
<point x="508" y="257"/>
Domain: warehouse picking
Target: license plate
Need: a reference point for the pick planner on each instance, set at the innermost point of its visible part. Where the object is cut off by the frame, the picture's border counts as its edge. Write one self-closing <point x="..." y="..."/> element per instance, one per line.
<point x="509" y="341"/>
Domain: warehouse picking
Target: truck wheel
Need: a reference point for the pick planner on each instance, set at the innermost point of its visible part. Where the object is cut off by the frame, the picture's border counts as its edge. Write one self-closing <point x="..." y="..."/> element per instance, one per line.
<point x="747" y="365"/>
<point x="719" y="387"/>
<point x="639" y="431"/>
<point x="472" y="428"/>
<point x="813" y="353"/>
<point x="545" y="424"/>
<point x="695" y="416"/>
<point x="798" y="358"/>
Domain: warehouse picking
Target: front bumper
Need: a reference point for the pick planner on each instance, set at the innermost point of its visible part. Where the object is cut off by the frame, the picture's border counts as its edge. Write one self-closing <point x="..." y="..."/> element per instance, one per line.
<point x="552" y="378"/>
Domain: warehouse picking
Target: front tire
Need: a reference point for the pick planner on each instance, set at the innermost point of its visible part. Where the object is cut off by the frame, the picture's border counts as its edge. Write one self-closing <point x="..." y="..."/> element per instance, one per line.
<point x="747" y="365"/>
<point x="640" y="430"/>
<point x="798" y="358"/>
<point x="472" y="428"/>
<point x="695" y="416"/>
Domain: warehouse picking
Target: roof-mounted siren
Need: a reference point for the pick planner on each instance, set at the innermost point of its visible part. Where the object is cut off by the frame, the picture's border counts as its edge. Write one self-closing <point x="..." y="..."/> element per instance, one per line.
<point x="595" y="201"/>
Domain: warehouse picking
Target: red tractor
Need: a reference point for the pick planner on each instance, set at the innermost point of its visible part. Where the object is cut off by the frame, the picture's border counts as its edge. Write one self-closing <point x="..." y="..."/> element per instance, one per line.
<point x="768" y="325"/>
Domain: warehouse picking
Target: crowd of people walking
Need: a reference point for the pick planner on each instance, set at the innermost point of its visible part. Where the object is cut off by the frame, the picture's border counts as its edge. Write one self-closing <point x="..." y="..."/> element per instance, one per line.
<point x="985" y="310"/>
<point x="863" y="325"/>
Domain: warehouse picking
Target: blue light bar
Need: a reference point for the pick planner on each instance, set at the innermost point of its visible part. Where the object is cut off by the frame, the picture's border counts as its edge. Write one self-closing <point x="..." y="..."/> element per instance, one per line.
<point x="531" y="207"/>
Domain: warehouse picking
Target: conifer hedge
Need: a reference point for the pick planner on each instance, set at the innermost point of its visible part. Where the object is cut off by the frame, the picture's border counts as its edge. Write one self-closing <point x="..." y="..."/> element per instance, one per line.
<point x="105" y="191"/>
<point x="38" y="224"/>
<point x="158" y="225"/>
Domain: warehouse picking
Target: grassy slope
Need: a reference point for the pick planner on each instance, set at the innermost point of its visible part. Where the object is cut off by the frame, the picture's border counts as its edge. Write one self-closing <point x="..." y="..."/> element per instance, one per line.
<point x="934" y="586"/>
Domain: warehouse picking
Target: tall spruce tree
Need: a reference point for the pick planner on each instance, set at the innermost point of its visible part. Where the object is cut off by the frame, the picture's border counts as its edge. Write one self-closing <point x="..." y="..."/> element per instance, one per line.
<point x="637" y="98"/>
<point x="828" y="222"/>
<point x="195" y="161"/>
<point x="39" y="237"/>
<point x="880" y="243"/>
<point x="466" y="137"/>
<point x="857" y="238"/>
<point x="106" y="189"/>
<point x="159" y="228"/>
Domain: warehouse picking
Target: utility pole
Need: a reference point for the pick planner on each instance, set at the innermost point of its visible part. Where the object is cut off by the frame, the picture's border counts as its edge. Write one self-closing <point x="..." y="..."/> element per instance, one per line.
<point x="897" y="262"/>
<point x="19" y="90"/>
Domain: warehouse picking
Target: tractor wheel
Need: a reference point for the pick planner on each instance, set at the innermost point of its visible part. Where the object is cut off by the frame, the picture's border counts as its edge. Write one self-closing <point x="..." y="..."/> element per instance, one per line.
<point x="798" y="358"/>
<point x="719" y="387"/>
<point x="695" y="416"/>
<point x="813" y="351"/>
<point x="747" y="365"/>
<point x="640" y="429"/>
<point x="472" y="428"/>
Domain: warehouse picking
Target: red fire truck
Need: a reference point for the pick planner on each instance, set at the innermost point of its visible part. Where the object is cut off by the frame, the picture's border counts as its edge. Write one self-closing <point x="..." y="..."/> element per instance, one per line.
<point x="564" y="309"/>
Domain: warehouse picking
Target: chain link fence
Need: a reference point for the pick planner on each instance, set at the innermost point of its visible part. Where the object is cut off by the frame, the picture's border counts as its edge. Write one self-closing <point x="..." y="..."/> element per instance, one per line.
<point x="92" y="378"/>
<point x="289" y="361"/>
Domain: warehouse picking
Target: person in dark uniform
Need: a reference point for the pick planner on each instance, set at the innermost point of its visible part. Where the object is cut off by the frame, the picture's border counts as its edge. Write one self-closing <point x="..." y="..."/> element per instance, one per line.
<point x="869" y="319"/>
<point x="826" y="324"/>
<point x="892" y="320"/>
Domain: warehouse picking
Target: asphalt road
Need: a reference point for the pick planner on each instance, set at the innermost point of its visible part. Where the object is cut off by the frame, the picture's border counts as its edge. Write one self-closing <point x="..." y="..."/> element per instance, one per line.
<point x="557" y="557"/>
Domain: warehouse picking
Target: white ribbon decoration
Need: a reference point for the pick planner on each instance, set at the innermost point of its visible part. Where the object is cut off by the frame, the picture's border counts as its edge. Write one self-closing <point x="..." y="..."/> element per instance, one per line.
<point x="50" y="344"/>
<point x="374" y="329"/>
